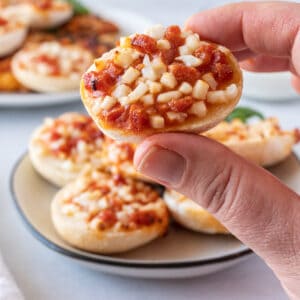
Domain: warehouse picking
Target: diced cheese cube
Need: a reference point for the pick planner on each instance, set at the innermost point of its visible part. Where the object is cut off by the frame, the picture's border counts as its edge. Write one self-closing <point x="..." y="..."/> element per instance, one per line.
<point x="68" y="165"/>
<point x="43" y="69"/>
<point x="163" y="44"/>
<point x="130" y="75"/>
<point x="154" y="87"/>
<point x="231" y="91"/>
<point x="66" y="66"/>
<point x="190" y="60"/>
<point x="186" y="33"/>
<point x="176" y="116"/>
<point x="138" y="92"/>
<point x="125" y="57"/>
<point x="49" y="122"/>
<point x="97" y="106"/>
<point x="108" y="102"/>
<point x="184" y="50"/>
<point x="158" y="66"/>
<point x="185" y="88"/>
<point x="146" y="60"/>
<point x="157" y="121"/>
<point x="149" y="73"/>
<point x="81" y="146"/>
<point x="95" y="223"/>
<point x="121" y="91"/>
<point x="200" y="89"/>
<point x="198" y="109"/>
<point x="217" y="97"/>
<point x="209" y="78"/>
<point x="148" y="99"/>
<point x="168" y="80"/>
<point x="157" y="31"/>
<point x="125" y="42"/>
<point x="193" y="42"/>
<point x="51" y="48"/>
<point x="69" y="209"/>
<point x="168" y="96"/>
<point x="102" y="203"/>
<point x="124" y="101"/>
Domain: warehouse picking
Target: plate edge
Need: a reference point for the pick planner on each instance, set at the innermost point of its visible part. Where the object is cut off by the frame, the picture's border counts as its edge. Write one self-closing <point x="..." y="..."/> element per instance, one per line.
<point x="51" y="245"/>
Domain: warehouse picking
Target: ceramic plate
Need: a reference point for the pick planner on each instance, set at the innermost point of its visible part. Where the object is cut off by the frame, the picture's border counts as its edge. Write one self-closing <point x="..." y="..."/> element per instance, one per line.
<point x="181" y="253"/>
<point x="128" y="22"/>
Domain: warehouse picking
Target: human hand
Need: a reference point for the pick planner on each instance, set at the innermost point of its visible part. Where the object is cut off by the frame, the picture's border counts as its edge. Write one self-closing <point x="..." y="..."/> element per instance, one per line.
<point x="265" y="37"/>
<point x="249" y="201"/>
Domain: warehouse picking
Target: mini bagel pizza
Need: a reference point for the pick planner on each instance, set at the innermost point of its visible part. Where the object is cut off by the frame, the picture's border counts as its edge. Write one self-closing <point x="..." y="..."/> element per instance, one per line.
<point x="17" y="10"/>
<point x="12" y="35"/>
<point x="164" y="80"/>
<point x="191" y="215"/>
<point x="263" y="142"/>
<point x="40" y="14"/>
<point x="117" y="158"/>
<point x="49" y="13"/>
<point x="108" y="214"/>
<point x="62" y="148"/>
<point x="51" y="66"/>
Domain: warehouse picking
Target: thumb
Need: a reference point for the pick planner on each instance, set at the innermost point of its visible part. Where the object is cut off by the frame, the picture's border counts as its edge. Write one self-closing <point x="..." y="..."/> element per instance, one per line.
<point x="249" y="201"/>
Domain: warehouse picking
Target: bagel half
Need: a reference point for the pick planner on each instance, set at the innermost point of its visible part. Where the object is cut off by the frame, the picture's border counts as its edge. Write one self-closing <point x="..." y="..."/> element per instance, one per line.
<point x="191" y="215"/>
<point x="162" y="81"/>
<point x="264" y="142"/>
<point x="108" y="214"/>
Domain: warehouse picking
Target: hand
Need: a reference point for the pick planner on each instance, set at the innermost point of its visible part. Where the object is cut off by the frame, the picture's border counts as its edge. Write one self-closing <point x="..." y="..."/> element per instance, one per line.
<point x="265" y="36"/>
<point x="249" y="201"/>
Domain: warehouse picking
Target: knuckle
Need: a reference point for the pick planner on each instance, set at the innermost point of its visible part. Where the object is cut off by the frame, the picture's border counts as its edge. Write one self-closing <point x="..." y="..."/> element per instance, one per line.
<point x="216" y="190"/>
<point x="220" y="191"/>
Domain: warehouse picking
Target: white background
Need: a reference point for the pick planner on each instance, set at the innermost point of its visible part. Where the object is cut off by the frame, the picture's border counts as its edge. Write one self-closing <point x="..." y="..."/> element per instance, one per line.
<point x="43" y="274"/>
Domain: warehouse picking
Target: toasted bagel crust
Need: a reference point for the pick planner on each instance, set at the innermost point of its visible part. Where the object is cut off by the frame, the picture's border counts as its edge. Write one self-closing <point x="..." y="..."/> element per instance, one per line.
<point x="191" y="215"/>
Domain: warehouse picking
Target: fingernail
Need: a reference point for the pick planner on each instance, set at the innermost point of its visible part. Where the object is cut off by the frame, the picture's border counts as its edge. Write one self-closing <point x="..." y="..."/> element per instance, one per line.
<point x="163" y="165"/>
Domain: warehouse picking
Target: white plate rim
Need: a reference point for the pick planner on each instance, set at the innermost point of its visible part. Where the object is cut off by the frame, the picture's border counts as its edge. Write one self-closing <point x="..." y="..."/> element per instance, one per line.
<point x="31" y="99"/>
<point x="114" y="262"/>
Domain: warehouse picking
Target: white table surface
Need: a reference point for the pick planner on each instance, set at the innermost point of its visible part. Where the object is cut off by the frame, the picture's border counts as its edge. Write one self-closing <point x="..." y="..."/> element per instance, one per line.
<point x="45" y="275"/>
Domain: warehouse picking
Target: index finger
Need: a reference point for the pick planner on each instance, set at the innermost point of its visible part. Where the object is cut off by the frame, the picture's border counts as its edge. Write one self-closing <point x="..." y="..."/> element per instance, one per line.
<point x="269" y="28"/>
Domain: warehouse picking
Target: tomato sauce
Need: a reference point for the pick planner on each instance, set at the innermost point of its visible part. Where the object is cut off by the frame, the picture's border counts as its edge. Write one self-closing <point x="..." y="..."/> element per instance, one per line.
<point x="3" y="22"/>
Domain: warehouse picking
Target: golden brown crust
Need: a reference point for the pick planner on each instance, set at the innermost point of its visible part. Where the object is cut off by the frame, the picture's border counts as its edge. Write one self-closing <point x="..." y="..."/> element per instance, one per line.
<point x="191" y="215"/>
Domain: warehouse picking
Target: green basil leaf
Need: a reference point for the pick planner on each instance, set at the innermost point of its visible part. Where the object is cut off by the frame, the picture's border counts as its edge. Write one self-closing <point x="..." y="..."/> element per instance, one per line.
<point x="79" y="9"/>
<point x="244" y="114"/>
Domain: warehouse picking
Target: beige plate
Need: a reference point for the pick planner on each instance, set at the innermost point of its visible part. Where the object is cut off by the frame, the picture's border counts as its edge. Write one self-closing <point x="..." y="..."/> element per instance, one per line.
<point x="180" y="253"/>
